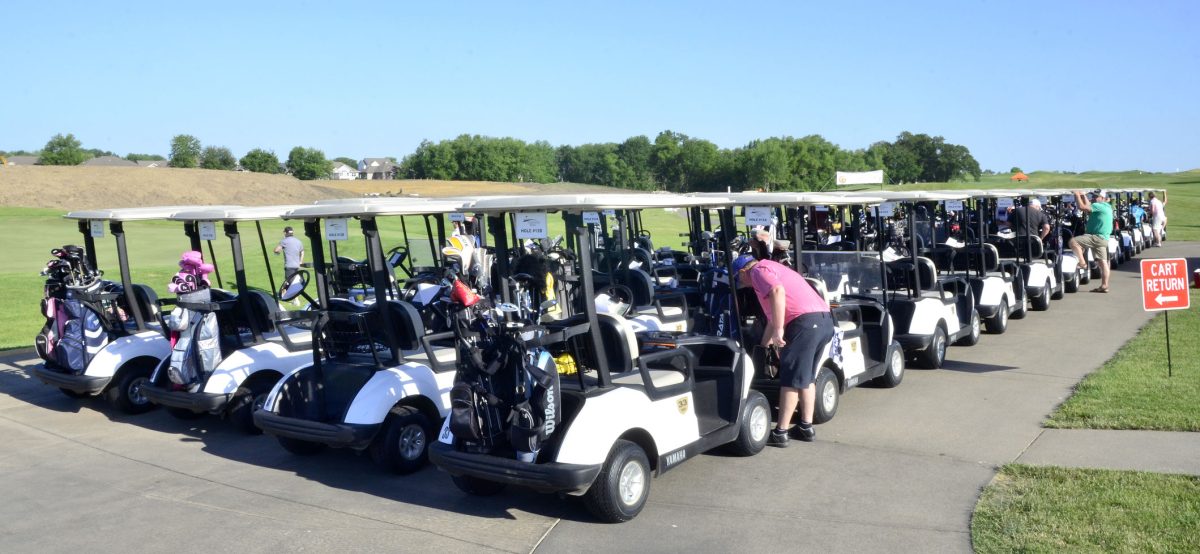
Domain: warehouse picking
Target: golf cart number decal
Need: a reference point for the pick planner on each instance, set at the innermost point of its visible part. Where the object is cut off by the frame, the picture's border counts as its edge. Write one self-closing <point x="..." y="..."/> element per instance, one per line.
<point x="758" y="215"/>
<point x="531" y="225"/>
<point x="674" y="458"/>
<point x="954" y="205"/>
<point x="336" y="229"/>
<point x="682" y="404"/>
<point x="458" y="217"/>
<point x="97" y="229"/>
<point x="208" y="230"/>
<point x="887" y="209"/>
<point x="591" y="218"/>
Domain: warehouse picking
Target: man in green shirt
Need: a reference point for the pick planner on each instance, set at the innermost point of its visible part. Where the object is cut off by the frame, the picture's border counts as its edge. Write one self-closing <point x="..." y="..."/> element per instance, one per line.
<point x="1099" y="228"/>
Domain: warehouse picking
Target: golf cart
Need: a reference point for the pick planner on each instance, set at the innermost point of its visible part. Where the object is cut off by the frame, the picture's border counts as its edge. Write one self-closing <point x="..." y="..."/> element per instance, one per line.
<point x="583" y="405"/>
<point x="931" y="308"/>
<point x="992" y="280"/>
<point x="248" y="356"/>
<point x="109" y="340"/>
<point x="1038" y="269"/>
<point x="377" y="379"/>
<point x="848" y="279"/>
<point x="1058" y="206"/>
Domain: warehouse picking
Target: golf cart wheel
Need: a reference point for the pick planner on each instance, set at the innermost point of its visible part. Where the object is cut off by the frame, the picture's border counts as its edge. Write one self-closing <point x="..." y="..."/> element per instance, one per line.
<point x="241" y="408"/>
<point x="895" y="368"/>
<point x="829" y="395"/>
<point x="1041" y="302"/>
<point x="754" y="427"/>
<point x="183" y="414"/>
<point x="72" y="394"/>
<point x="299" y="447"/>
<point x="475" y="486"/>
<point x="998" y="323"/>
<point x="933" y="356"/>
<point x="1058" y="290"/>
<point x="976" y="329"/>
<point x="403" y="445"/>
<point x="125" y="393"/>
<point x="1072" y="285"/>
<point x="620" y="491"/>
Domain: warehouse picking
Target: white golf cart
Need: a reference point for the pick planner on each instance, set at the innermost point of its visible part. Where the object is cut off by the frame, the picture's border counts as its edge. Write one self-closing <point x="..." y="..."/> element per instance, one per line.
<point x="1039" y="271"/>
<point x="253" y="356"/>
<point x="1059" y="204"/>
<point x="851" y="281"/>
<point x="610" y="406"/>
<point x="931" y="309"/>
<point x="128" y="343"/>
<point x="377" y="379"/>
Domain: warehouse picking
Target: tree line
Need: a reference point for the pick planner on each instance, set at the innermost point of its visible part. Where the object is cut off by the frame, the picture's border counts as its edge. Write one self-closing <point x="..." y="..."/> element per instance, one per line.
<point x="679" y="163"/>
<point x="672" y="161"/>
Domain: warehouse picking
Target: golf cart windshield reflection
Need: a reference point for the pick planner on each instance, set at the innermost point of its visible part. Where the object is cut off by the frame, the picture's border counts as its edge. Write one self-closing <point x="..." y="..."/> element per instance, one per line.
<point x="843" y="272"/>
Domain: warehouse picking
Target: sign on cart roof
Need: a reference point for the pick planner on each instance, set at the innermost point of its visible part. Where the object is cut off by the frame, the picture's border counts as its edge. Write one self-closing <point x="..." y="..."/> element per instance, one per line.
<point x="1165" y="285"/>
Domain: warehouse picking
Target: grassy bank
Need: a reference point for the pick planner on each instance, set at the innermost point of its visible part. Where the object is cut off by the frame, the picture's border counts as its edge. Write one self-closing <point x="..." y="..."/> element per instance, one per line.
<point x="1133" y="391"/>
<point x="1051" y="509"/>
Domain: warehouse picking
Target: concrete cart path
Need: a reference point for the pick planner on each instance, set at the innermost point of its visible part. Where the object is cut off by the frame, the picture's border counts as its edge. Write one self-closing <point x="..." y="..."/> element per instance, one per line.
<point x="898" y="469"/>
<point x="1159" y="451"/>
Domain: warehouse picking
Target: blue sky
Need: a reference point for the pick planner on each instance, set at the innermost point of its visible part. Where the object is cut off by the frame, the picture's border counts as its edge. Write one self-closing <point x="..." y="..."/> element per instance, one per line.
<point x="1042" y="85"/>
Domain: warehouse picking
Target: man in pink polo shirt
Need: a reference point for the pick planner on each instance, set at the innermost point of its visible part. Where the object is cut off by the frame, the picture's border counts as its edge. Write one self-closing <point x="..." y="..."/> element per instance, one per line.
<point x="800" y="324"/>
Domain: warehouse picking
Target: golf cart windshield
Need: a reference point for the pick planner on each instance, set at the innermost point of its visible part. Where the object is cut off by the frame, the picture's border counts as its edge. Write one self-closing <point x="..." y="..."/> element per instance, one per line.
<point x="843" y="272"/>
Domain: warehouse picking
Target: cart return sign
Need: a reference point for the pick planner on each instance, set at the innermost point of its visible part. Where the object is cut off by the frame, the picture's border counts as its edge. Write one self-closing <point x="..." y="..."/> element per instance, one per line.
<point x="1165" y="284"/>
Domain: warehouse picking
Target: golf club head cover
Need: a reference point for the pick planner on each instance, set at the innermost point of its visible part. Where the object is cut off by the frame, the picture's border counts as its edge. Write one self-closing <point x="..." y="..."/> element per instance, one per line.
<point x="193" y="273"/>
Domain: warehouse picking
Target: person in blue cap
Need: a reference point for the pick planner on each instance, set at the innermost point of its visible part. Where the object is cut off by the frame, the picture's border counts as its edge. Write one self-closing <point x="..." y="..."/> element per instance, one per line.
<point x="799" y="323"/>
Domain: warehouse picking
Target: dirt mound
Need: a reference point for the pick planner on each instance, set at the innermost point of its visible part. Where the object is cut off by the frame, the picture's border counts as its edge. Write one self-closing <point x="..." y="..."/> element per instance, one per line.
<point x="78" y="188"/>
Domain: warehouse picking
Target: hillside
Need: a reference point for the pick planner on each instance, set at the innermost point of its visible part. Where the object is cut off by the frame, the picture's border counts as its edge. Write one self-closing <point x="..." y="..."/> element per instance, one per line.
<point x="74" y="188"/>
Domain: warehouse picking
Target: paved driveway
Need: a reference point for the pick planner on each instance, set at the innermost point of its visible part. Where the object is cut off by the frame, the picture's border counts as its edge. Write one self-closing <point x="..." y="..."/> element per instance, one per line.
<point x="897" y="470"/>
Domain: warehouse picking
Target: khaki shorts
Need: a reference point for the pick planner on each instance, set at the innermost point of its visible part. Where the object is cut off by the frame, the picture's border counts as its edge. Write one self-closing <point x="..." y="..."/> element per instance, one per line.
<point x="1098" y="245"/>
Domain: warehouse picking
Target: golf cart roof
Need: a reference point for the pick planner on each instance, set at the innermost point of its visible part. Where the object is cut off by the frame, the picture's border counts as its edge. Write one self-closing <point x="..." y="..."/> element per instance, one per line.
<point x="136" y="214"/>
<point x="372" y="207"/>
<point x="800" y="199"/>
<point x="248" y="213"/>
<point x="589" y="202"/>
<point x="911" y="195"/>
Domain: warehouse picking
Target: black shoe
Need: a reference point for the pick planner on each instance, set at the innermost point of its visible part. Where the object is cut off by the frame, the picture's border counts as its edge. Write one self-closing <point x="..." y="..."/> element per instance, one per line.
<point x="778" y="438"/>
<point x="802" y="434"/>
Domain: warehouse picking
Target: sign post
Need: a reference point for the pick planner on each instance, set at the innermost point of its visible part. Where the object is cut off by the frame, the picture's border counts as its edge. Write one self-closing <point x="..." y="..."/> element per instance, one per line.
<point x="1165" y="288"/>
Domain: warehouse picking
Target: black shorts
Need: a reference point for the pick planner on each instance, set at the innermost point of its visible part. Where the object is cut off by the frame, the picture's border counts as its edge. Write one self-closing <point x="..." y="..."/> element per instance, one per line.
<point x="289" y="271"/>
<point x="805" y="336"/>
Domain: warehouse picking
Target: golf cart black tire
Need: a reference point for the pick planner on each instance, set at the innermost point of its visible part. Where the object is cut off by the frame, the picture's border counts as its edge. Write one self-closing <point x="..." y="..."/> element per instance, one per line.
<point x="998" y="323"/>
<point x="1085" y="276"/>
<point x="933" y="356"/>
<point x="894" y="373"/>
<point x="603" y="499"/>
<point x="386" y="450"/>
<point x="300" y="447"/>
<point x="475" y="486"/>
<point x="1057" y="294"/>
<point x="127" y="380"/>
<point x="72" y="394"/>
<point x="1041" y="302"/>
<point x="1072" y="285"/>
<point x="183" y="414"/>
<point x="746" y="444"/>
<point x="972" y="338"/>
<point x="241" y="408"/>
<point x="825" y="380"/>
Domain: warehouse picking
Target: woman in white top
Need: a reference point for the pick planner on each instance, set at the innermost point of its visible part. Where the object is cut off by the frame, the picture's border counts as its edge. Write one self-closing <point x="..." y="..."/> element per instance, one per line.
<point x="1158" y="213"/>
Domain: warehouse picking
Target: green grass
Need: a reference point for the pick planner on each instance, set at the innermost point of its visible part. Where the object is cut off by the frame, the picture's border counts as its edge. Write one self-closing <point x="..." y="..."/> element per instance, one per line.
<point x="1051" y="509"/>
<point x="1133" y="391"/>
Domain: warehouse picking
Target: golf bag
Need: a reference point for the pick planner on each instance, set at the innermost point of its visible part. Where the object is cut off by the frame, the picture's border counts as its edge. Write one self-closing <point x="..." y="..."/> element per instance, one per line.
<point x="74" y="331"/>
<point x="195" y="341"/>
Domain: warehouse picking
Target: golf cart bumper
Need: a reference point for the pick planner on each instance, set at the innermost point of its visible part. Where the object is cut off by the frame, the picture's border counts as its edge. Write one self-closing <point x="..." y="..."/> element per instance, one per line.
<point x="81" y="383"/>
<point x="545" y="477"/>
<point x="1036" y="292"/>
<point x="198" y="402"/>
<point x="337" y="435"/>
<point x="914" y="343"/>
<point x="987" y="312"/>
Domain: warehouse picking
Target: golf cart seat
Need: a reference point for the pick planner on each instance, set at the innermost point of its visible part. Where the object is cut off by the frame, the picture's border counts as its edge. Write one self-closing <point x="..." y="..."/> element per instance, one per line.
<point x="622" y="352"/>
<point x="904" y="274"/>
<point x="257" y="309"/>
<point x="646" y="299"/>
<point x="147" y="301"/>
<point x="1035" y="248"/>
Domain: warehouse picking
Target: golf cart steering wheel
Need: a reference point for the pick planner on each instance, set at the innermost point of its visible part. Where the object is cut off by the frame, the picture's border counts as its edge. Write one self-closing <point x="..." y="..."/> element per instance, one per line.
<point x="621" y="294"/>
<point x="396" y="258"/>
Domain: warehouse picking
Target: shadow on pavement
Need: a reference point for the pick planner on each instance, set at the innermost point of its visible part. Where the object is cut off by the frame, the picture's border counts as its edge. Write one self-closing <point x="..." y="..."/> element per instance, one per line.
<point x="972" y="367"/>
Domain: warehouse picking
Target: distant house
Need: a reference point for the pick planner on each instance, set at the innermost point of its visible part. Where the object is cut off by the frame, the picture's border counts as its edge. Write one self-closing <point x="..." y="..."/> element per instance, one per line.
<point x="1019" y="176"/>
<point x="153" y="163"/>
<point x="343" y="172"/>
<point x="109" y="161"/>
<point x="376" y="168"/>
<point x="22" y="160"/>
